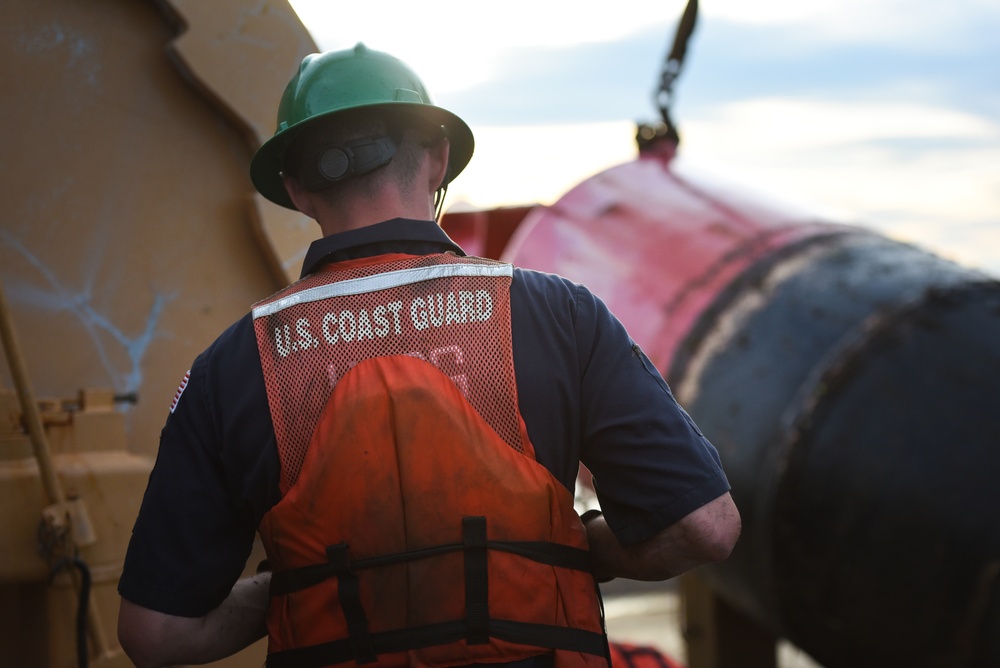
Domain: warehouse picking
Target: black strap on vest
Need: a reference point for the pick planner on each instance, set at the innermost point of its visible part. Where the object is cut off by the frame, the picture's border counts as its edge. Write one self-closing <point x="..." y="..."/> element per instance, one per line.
<point x="419" y="637"/>
<point x="349" y="593"/>
<point x="477" y="628"/>
<point x="553" y="554"/>
<point x="477" y="580"/>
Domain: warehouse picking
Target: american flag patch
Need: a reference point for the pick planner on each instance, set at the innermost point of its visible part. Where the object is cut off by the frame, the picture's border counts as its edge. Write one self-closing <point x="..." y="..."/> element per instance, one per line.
<point x="180" y="391"/>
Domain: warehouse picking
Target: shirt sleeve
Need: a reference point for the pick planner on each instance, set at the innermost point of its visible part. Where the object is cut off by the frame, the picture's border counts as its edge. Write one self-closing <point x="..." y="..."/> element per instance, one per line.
<point x="651" y="464"/>
<point x="588" y="394"/>
<point x="209" y="487"/>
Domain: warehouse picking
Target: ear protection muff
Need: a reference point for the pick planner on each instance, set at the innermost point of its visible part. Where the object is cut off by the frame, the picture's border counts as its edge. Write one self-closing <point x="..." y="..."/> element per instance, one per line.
<point x="336" y="162"/>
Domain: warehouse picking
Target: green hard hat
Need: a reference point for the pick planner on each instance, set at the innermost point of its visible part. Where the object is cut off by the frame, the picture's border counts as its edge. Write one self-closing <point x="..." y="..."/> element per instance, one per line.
<point x="336" y="81"/>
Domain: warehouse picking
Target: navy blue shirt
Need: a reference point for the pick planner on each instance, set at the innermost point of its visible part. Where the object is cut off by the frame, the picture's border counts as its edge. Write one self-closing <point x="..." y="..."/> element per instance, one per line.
<point x="586" y="391"/>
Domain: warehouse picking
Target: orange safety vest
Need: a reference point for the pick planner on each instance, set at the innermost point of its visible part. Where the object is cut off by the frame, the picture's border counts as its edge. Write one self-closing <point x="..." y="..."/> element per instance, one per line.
<point x="415" y="526"/>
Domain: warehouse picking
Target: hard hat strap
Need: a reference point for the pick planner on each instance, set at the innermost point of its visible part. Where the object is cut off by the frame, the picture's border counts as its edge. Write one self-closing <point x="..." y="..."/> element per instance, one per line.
<point x="336" y="162"/>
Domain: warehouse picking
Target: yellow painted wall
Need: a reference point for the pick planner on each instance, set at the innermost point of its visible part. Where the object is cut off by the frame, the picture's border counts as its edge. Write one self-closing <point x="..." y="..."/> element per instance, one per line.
<point x="130" y="235"/>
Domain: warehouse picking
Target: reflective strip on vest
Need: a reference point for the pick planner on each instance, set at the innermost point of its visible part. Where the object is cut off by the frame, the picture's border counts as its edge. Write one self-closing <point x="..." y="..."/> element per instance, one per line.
<point x="391" y="279"/>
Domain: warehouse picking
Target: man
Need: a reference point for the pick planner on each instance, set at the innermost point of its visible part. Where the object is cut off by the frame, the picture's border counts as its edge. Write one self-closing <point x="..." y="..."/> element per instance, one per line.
<point x="404" y="427"/>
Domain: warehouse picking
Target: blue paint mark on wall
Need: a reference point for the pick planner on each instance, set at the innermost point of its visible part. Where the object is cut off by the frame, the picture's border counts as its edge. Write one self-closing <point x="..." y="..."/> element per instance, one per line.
<point x="55" y="297"/>
<point x="55" y="38"/>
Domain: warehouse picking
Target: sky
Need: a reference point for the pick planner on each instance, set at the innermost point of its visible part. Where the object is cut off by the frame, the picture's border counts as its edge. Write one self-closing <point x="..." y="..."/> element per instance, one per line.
<point x="880" y="113"/>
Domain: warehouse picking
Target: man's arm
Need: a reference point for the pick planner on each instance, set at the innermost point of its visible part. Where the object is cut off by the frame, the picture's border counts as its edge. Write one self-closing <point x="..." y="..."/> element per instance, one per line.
<point x="706" y="535"/>
<point x="153" y="639"/>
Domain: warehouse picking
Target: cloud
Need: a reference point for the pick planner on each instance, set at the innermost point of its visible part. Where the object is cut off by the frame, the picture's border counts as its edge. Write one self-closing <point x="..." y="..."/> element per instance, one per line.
<point x="786" y="124"/>
<point x="921" y="174"/>
<point x="616" y="79"/>
<point x="919" y="24"/>
<point x="584" y="83"/>
<point x="540" y="163"/>
<point x="456" y="45"/>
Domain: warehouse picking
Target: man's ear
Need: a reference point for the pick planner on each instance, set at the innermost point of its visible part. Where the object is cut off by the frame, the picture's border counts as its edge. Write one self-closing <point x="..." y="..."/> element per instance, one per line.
<point x="299" y="195"/>
<point x="438" y="156"/>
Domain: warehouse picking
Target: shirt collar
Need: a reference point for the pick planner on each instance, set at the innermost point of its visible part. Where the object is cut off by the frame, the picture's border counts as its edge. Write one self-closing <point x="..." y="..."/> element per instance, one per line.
<point x="399" y="235"/>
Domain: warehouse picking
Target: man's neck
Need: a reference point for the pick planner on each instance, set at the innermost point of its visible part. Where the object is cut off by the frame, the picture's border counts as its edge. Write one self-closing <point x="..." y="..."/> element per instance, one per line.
<point x="357" y="214"/>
